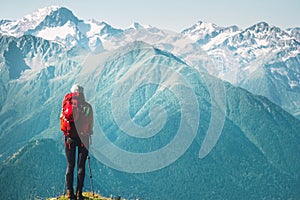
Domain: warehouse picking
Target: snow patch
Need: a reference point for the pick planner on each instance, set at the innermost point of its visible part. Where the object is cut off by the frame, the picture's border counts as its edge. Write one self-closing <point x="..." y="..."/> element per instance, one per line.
<point x="18" y="27"/>
<point x="95" y="28"/>
<point x="219" y="39"/>
<point x="136" y="26"/>
<point x="54" y="33"/>
<point x="200" y="30"/>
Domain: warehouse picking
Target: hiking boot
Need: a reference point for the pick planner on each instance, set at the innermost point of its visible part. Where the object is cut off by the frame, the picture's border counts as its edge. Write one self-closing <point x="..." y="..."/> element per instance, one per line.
<point x="79" y="195"/>
<point x="71" y="195"/>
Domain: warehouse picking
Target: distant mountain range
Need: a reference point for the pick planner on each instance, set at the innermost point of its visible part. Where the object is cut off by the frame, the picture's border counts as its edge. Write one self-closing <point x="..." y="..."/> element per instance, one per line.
<point x="263" y="59"/>
<point x="179" y="78"/>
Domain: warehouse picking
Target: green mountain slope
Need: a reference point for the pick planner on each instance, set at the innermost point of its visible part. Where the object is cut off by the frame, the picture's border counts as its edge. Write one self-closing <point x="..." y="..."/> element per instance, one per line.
<point x="36" y="170"/>
<point x="256" y="156"/>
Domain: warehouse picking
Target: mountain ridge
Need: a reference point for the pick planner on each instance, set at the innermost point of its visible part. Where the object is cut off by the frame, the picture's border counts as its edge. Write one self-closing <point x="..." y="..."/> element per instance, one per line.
<point x="246" y="157"/>
<point x="254" y="155"/>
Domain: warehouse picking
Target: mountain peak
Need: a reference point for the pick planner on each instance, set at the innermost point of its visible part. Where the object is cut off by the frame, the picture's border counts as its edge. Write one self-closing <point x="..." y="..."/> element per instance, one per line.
<point x="201" y="27"/>
<point x="204" y="23"/>
<point x="49" y="16"/>
<point x="273" y="34"/>
<point x="101" y="28"/>
<point x="59" y="16"/>
<point x="260" y="26"/>
<point x="40" y="13"/>
<point x="202" y="31"/>
<point x="30" y="21"/>
<point x="294" y="32"/>
<point x="138" y="26"/>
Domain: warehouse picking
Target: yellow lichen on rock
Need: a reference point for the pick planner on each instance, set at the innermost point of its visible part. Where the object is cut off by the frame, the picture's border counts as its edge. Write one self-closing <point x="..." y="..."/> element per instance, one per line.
<point x="87" y="196"/>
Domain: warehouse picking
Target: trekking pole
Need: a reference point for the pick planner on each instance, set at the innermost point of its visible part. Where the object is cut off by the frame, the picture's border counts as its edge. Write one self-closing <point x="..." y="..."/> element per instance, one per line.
<point x="91" y="176"/>
<point x="65" y="188"/>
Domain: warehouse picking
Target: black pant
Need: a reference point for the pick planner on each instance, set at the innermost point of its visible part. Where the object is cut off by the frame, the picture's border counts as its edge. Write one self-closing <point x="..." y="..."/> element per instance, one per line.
<point x="70" y="149"/>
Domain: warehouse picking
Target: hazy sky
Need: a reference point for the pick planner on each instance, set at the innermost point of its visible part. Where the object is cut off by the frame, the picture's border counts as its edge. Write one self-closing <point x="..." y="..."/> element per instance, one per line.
<point x="168" y="14"/>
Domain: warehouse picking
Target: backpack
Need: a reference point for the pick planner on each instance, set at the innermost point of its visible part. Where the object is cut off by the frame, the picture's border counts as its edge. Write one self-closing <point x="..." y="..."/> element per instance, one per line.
<point x="74" y="111"/>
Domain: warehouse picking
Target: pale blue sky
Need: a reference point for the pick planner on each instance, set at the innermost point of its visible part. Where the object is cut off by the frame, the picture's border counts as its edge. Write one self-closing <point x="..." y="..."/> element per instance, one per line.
<point x="169" y="14"/>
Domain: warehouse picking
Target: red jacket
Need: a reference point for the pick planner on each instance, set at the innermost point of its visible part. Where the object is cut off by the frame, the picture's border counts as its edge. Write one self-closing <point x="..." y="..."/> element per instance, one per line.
<point x="76" y="116"/>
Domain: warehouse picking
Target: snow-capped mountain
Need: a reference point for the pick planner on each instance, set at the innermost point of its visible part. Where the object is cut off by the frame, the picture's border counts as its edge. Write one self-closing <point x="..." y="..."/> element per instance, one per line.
<point x="257" y="53"/>
<point x="295" y="32"/>
<point x="247" y="58"/>
<point x="44" y="53"/>
<point x="262" y="51"/>
<point x="52" y="23"/>
<point x="60" y="25"/>
<point x="203" y="32"/>
<point x="28" y="22"/>
<point x="136" y="26"/>
<point x="236" y="52"/>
